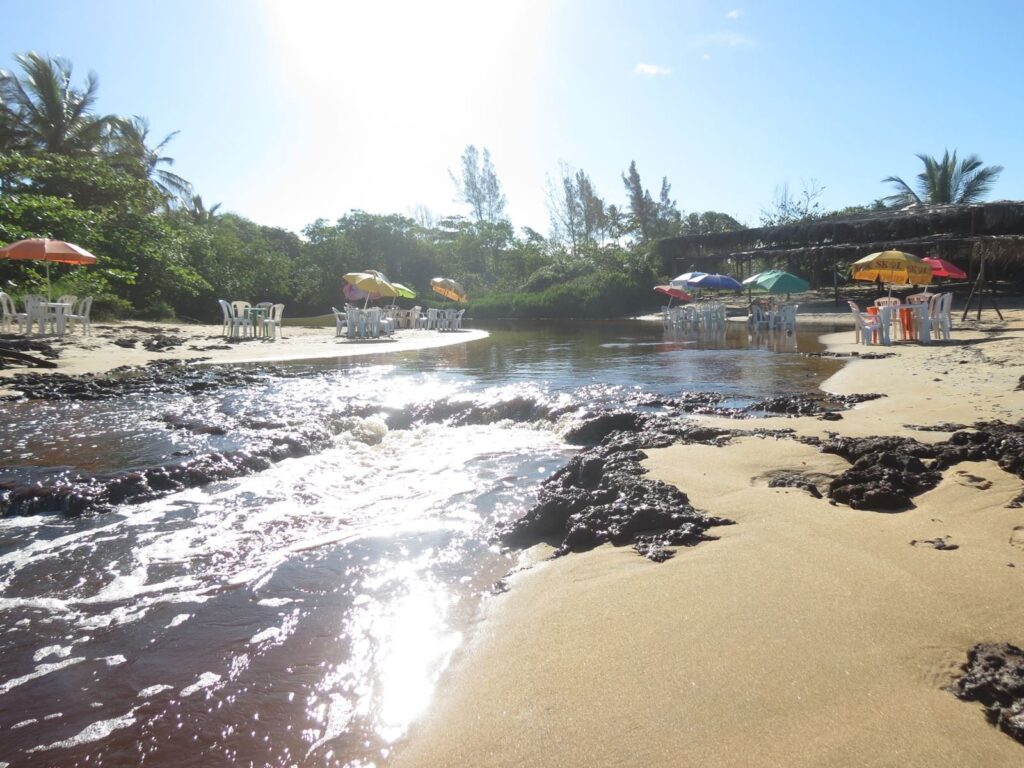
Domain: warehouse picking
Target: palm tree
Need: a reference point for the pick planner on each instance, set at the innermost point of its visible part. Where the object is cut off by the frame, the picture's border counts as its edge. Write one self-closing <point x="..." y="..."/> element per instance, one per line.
<point x="52" y="114"/>
<point x="945" y="181"/>
<point x="129" y="148"/>
<point x="198" y="212"/>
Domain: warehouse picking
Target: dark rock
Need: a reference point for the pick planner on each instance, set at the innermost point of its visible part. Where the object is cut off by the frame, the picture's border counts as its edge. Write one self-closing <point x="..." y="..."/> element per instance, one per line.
<point x="941" y="543"/>
<point x="994" y="676"/>
<point x="80" y="493"/>
<point x="161" y="342"/>
<point x="888" y="472"/>
<point x="601" y="496"/>
<point x="946" y="426"/>
<point x="795" y="480"/>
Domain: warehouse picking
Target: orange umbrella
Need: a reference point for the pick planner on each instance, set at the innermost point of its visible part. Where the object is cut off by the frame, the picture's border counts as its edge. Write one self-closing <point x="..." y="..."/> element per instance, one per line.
<point x="46" y="250"/>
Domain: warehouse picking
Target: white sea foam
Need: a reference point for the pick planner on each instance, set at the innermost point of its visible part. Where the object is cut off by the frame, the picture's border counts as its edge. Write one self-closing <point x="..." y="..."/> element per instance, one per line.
<point x="60" y="651"/>
<point x="42" y="669"/>
<point x="275" y="602"/>
<point x="270" y="633"/>
<point x="113" y="661"/>
<point x="181" y="618"/>
<point x="153" y="690"/>
<point x="92" y="732"/>
<point x="205" y="680"/>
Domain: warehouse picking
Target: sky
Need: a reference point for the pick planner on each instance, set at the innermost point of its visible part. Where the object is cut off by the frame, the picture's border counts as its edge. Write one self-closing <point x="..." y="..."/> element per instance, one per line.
<point x="294" y="110"/>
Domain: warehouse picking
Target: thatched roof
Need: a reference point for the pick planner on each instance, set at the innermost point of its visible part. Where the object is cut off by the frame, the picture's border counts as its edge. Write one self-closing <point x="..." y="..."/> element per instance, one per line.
<point x="951" y="231"/>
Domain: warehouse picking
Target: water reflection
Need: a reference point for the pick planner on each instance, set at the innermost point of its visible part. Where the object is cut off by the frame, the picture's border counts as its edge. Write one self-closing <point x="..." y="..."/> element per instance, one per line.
<point x="302" y="615"/>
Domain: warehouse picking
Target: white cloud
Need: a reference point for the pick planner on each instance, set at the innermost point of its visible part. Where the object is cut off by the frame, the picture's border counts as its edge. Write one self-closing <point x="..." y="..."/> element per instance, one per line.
<point x="651" y="70"/>
<point x="706" y="57"/>
<point x="723" y="40"/>
<point x="734" y="14"/>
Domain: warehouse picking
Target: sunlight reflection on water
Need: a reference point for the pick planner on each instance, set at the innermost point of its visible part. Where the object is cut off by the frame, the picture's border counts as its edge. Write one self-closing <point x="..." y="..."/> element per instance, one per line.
<point x="302" y="614"/>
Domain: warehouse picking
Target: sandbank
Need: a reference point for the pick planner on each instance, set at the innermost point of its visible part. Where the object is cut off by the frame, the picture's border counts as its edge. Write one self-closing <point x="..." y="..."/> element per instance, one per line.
<point x="807" y="635"/>
<point x="123" y="343"/>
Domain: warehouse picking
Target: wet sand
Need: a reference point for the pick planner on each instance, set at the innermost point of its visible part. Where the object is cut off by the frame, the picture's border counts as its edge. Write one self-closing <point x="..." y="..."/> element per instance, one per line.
<point x="101" y="352"/>
<point x="807" y="635"/>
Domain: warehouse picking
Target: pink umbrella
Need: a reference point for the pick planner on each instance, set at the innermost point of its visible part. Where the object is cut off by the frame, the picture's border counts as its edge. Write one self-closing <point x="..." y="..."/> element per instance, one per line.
<point x="943" y="269"/>
<point x="352" y="293"/>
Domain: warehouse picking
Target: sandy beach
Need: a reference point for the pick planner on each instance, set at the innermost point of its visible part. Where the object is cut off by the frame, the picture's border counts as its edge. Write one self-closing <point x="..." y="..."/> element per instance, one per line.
<point x="808" y="634"/>
<point x="135" y="343"/>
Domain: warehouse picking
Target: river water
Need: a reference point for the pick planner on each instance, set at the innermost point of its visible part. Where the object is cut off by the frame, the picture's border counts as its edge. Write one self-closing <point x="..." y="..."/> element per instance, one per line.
<point x="301" y="615"/>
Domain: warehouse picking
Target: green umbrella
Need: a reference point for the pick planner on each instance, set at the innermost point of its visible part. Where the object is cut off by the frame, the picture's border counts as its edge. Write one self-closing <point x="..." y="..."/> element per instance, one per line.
<point x="777" y="281"/>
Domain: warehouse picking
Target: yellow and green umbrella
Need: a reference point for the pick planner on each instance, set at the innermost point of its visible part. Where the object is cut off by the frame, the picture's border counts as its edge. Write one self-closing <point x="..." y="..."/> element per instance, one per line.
<point x="370" y="281"/>
<point x="404" y="291"/>
<point x="892" y="267"/>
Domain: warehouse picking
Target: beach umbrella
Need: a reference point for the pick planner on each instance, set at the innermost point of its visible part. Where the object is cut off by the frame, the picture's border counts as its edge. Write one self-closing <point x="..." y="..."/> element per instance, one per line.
<point x="943" y="269"/>
<point x="716" y="282"/>
<point x="673" y="293"/>
<point x="403" y="291"/>
<point x="777" y="281"/>
<point x="371" y="281"/>
<point x="47" y="251"/>
<point x="892" y="267"/>
<point x="685" y="280"/>
<point x="449" y="289"/>
<point x="352" y="293"/>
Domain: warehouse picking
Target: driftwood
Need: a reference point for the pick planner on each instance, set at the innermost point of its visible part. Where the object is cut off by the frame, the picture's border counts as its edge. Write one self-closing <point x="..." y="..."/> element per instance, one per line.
<point x="6" y="353"/>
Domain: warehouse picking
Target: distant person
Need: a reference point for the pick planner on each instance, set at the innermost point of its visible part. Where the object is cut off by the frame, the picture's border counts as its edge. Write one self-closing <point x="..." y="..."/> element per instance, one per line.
<point x="879" y="287"/>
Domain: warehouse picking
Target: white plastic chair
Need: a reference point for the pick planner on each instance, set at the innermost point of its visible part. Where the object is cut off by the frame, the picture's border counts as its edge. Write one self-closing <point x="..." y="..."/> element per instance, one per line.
<point x="340" y="319"/>
<point x="233" y="322"/>
<point x="80" y="314"/>
<point x="34" y="313"/>
<point x="271" y="324"/>
<point x="871" y="327"/>
<point x="922" y="323"/>
<point x="356" y="321"/>
<point x="10" y="317"/>
<point x="757" y="317"/>
<point x="939" y="313"/>
<point x="787" y="316"/>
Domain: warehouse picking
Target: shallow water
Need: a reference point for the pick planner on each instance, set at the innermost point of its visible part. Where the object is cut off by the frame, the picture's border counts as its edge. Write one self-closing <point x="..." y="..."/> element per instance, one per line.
<point x="302" y="614"/>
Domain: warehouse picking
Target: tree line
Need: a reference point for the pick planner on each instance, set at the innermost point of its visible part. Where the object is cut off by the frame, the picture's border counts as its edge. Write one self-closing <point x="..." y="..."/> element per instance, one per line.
<point x="105" y="183"/>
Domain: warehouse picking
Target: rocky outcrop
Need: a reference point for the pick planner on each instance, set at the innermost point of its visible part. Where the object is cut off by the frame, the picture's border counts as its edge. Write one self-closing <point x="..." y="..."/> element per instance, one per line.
<point x="601" y="496"/>
<point x="994" y="676"/>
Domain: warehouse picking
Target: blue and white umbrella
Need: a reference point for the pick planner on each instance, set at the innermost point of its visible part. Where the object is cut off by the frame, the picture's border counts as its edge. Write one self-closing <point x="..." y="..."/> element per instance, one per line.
<point x="685" y="280"/>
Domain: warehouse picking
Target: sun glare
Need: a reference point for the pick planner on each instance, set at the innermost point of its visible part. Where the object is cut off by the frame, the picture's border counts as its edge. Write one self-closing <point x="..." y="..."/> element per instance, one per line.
<point x="387" y="95"/>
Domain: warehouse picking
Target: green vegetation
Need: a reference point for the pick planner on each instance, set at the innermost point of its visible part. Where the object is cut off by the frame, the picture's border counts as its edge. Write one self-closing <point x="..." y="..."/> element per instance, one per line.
<point x="946" y="181"/>
<point x="99" y="181"/>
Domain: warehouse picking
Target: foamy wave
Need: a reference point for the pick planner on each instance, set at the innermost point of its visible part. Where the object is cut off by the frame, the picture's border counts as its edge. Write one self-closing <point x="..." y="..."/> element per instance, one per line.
<point x="93" y="732"/>
<point x="42" y="669"/>
<point x="153" y="690"/>
<point x="205" y="680"/>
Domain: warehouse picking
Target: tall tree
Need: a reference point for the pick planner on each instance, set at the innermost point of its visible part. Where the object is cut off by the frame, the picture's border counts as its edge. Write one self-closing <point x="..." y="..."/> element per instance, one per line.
<point x="130" y="149"/>
<point x="577" y="212"/>
<point x="643" y="213"/>
<point x="787" y="207"/>
<point x="52" y="114"/>
<point x="478" y="186"/>
<point x="946" y="181"/>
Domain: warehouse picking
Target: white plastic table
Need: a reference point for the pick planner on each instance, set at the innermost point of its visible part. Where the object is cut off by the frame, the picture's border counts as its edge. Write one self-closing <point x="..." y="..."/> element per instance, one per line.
<point x="42" y="315"/>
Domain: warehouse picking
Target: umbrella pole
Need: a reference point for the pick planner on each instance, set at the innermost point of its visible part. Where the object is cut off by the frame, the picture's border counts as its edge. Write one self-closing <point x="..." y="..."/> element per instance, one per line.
<point x="49" y="293"/>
